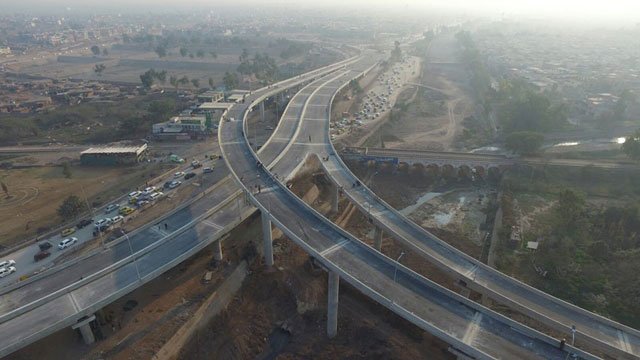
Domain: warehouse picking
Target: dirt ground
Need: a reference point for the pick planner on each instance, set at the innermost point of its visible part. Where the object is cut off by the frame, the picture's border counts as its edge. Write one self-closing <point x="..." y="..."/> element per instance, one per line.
<point x="37" y="193"/>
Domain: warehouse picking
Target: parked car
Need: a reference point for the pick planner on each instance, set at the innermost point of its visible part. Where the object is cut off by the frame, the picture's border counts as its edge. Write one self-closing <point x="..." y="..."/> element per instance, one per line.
<point x="111" y="207"/>
<point x="41" y="255"/>
<point x="207" y="170"/>
<point x="188" y="176"/>
<point x="6" y="271"/>
<point x="84" y="223"/>
<point x="167" y="184"/>
<point x="67" y="231"/>
<point x="45" y="246"/>
<point x="7" y="263"/>
<point x="67" y="242"/>
<point x="195" y="164"/>
<point x="116" y="219"/>
<point x="149" y="190"/>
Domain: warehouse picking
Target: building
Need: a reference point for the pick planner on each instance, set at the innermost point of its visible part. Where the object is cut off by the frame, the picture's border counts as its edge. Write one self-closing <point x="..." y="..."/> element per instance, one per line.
<point x="114" y="155"/>
<point x="210" y="97"/>
<point x="181" y="127"/>
<point x="5" y="50"/>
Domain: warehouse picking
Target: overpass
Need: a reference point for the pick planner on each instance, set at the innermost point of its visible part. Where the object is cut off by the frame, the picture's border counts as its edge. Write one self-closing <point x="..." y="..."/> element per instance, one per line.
<point x="469" y="327"/>
<point x="69" y="294"/>
<point x="472" y="160"/>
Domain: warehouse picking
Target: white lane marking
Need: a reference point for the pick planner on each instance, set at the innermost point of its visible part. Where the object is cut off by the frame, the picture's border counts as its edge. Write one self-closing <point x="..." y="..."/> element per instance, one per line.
<point x="233" y="142"/>
<point x="473" y="329"/>
<point x="334" y="247"/>
<point x="159" y="231"/>
<point x="309" y="144"/>
<point x="624" y="341"/>
<point x="212" y="224"/>
<point x="74" y="302"/>
<point x="471" y="273"/>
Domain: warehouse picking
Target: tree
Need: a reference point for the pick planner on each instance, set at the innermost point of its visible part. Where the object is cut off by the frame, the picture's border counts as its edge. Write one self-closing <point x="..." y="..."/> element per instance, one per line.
<point x="184" y="80"/>
<point x="70" y="207"/>
<point x="95" y="50"/>
<point x="619" y="110"/>
<point x="173" y="80"/>
<point x="631" y="146"/>
<point x="147" y="78"/>
<point x="213" y="54"/>
<point x="126" y="38"/>
<point x="161" y="51"/>
<point x="161" y="109"/>
<point x="5" y="189"/>
<point x="191" y="55"/>
<point x="184" y="51"/>
<point x="105" y="52"/>
<point x="244" y="56"/>
<point x="200" y="53"/>
<point x="99" y="68"/>
<point x="569" y="210"/>
<point x="230" y="80"/>
<point x="66" y="170"/>
<point x="524" y="142"/>
<point x="161" y="76"/>
<point x="196" y="83"/>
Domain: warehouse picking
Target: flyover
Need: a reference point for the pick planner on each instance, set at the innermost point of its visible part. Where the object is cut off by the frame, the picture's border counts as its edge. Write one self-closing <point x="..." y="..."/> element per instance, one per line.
<point x="69" y="294"/>
<point x="466" y="325"/>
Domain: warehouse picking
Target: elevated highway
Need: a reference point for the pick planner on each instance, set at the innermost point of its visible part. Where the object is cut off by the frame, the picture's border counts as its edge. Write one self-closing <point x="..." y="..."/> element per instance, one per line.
<point x="69" y="294"/>
<point x="469" y="327"/>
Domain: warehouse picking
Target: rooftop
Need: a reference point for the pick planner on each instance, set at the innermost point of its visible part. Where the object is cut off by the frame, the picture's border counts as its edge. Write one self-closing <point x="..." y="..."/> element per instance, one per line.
<point x="116" y="150"/>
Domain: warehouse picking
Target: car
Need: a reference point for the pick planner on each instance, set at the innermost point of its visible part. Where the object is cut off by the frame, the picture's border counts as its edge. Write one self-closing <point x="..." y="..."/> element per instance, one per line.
<point x="188" y="176"/>
<point x="102" y="228"/>
<point x="45" y="246"/>
<point x="167" y="184"/>
<point x="179" y="174"/>
<point x="105" y="221"/>
<point x="84" y="223"/>
<point x="7" y="263"/>
<point x="125" y="210"/>
<point x="207" y="170"/>
<point x="156" y="195"/>
<point x="195" y="164"/>
<point x="67" y="242"/>
<point x="111" y="207"/>
<point x="41" y="255"/>
<point x="116" y="219"/>
<point x="149" y="190"/>
<point x="7" y="270"/>
<point x="142" y="203"/>
<point x="67" y="231"/>
<point x="134" y="194"/>
<point x="174" y="184"/>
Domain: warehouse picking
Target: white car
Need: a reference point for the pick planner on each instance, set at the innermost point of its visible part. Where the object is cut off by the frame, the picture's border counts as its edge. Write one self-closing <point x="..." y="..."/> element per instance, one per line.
<point x="156" y="195"/>
<point x="111" y="207"/>
<point x="179" y="174"/>
<point x="116" y="219"/>
<point x="174" y="184"/>
<point x="67" y="242"/>
<point x="7" y="263"/>
<point x="101" y="222"/>
<point x="135" y="194"/>
<point x="149" y="190"/>
<point x="6" y="271"/>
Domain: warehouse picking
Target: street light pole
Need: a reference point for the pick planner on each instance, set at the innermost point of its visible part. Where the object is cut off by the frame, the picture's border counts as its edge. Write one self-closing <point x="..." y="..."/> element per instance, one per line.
<point x="134" y="261"/>
<point x="395" y="273"/>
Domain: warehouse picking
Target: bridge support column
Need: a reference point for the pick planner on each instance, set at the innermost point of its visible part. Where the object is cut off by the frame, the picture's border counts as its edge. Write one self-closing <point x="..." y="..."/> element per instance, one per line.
<point x="262" y="110"/>
<point x="332" y="306"/>
<point x="267" y="240"/>
<point x="217" y="250"/>
<point x="377" y="238"/>
<point x="335" y="199"/>
<point x="85" y="329"/>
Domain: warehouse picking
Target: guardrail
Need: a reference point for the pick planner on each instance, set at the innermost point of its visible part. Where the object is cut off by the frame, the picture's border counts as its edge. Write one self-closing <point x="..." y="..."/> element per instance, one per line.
<point x="367" y="290"/>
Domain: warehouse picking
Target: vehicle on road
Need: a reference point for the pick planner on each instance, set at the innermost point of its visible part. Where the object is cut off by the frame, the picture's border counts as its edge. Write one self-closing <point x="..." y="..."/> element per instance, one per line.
<point x="7" y="263"/>
<point x="167" y="184"/>
<point x="176" y="159"/>
<point x="142" y="203"/>
<point x="207" y="170"/>
<point x="149" y="190"/>
<point x="67" y="242"/>
<point x="41" y="255"/>
<point x="105" y="221"/>
<point x="84" y="223"/>
<point x="67" y="231"/>
<point x="178" y="174"/>
<point x="45" y="246"/>
<point x="111" y="207"/>
<point x="188" y="176"/>
<point x="174" y="184"/>
<point x="195" y="164"/>
<point x="134" y="194"/>
<point x="116" y="219"/>
<point x="7" y="270"/>
<point x="126" y="210"/>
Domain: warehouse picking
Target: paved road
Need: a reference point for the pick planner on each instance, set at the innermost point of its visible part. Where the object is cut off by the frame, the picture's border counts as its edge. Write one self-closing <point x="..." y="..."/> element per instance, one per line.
<point x="463" y="323"/>
<point x="63" y="295"/>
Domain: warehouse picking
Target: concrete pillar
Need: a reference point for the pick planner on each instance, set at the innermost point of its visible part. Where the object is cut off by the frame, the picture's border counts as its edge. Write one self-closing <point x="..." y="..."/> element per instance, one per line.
<point x="332" y="306"/>
<point x="335" y="199"/>
<point x="217" y="250"/>
<point x="267" y="240"/>
<point x="377" y="238"/>
<point x="262" y="110"/>
<point x="85" y="329"/>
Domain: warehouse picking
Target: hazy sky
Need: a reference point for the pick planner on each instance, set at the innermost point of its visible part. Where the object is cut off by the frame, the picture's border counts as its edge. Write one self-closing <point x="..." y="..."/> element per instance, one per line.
<point x="626" y="10"/>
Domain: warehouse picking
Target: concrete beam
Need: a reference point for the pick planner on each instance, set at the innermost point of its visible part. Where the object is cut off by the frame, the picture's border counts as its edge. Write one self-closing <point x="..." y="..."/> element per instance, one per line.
<point x="267" y="240"/>
<point x="262" y="110"/>
<point x="332" y="306"/>
<point x="217" y="250"/>
<point x="85" y="329"/>
<point x="377" y="238"/>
